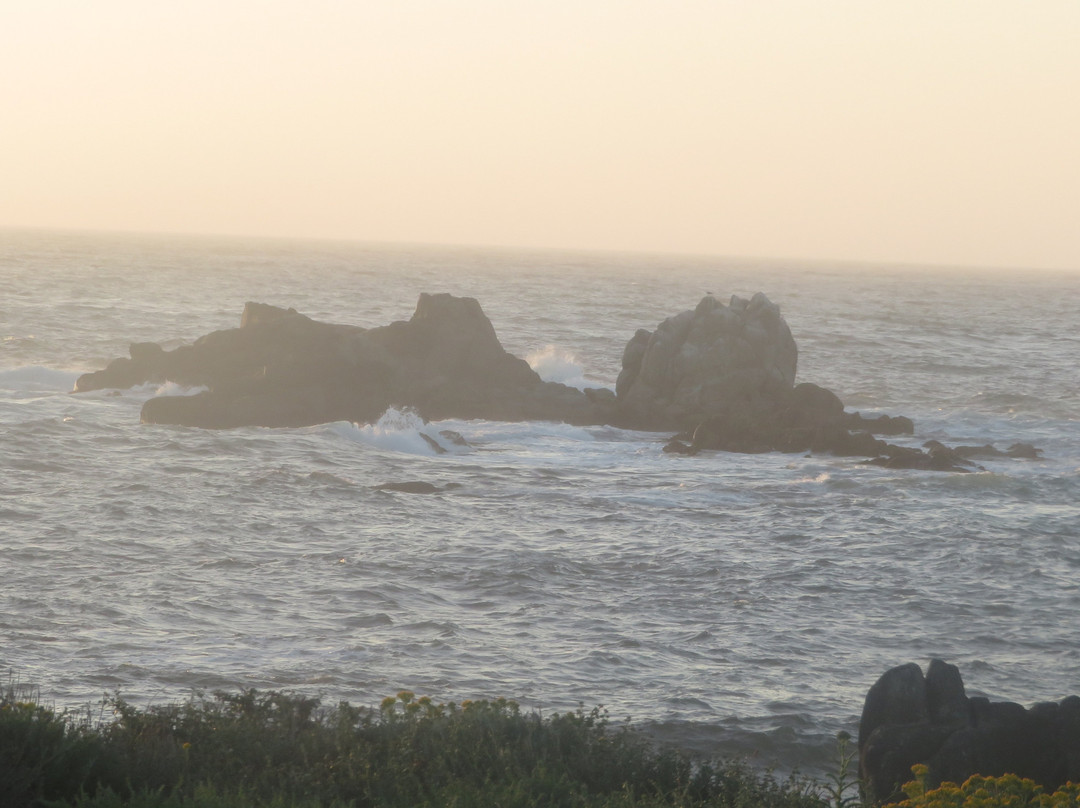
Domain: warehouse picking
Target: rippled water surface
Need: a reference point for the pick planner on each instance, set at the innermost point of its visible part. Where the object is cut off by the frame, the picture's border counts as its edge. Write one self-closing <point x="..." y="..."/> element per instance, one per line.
<point x="741" y="604"/>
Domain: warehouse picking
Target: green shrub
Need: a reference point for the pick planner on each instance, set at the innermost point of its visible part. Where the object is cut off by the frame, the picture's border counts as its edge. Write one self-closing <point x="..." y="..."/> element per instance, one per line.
<point x="278" y="750"/>
<point x="202" y="797"/>
<point x="44" y="755"/>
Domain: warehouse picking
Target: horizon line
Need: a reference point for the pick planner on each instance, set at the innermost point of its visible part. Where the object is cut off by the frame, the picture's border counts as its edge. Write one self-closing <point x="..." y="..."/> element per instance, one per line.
<point x="842" y="263"/>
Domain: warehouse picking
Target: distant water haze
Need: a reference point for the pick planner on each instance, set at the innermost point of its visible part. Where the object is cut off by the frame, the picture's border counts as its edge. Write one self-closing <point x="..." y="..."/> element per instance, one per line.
<point x="916" y="132"/>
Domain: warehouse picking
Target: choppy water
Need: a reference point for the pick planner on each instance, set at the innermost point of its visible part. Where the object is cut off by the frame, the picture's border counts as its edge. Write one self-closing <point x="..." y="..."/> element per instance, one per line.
<point x="741" y="604"/>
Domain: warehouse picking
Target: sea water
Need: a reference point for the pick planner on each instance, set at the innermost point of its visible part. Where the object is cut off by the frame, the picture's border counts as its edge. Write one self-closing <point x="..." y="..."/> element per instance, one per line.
<point x="732" y="604"/>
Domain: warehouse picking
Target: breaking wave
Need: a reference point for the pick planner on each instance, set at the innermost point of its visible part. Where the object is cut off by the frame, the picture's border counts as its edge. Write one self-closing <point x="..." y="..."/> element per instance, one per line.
<point x="402" y="431"/>
<point x="555" y="364"/>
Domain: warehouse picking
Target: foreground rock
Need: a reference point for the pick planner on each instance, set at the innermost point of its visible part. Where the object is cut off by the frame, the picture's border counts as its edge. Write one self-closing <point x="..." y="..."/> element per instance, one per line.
<point x="283" y="369"/>
<point x="908" y="719"/>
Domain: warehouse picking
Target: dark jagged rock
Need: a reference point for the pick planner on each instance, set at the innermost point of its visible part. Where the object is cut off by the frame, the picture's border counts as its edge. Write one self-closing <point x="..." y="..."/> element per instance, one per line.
<point x="434" y="444"/>
<point x="723" y="374"/>
<point x="713" y="359"/>
<point x="281" y="368"/>
<point x="909" y="719"/>
<point x="455" y="438"/>
<point x="676" y="446"/>
<point x="1016" y="450"/>
<point x="936" y="457"/>
<point x="1024" y="450"/>
<point x="881" y="425"/>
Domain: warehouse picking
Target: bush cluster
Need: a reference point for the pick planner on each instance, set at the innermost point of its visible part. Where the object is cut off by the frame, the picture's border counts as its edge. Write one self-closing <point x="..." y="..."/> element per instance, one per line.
<point x="1008" y="791"/>
<point x="279" y="750"/>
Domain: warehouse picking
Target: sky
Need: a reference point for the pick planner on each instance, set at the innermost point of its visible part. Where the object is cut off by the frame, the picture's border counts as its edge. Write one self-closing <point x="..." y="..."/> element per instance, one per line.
<point x="940" y="132"/>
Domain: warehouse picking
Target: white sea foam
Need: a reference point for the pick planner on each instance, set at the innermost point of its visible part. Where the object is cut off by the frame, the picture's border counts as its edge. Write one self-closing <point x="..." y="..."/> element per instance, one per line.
<point x="174" y="389"/>
<point x="401" y="431"/>
<point x="555" y="364"/>
<point x="823" y="477"/>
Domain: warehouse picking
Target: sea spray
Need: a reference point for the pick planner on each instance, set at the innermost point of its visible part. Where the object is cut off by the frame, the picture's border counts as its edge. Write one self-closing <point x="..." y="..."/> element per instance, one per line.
<point x="555" y="364"/>
<point x="403" y="431"/>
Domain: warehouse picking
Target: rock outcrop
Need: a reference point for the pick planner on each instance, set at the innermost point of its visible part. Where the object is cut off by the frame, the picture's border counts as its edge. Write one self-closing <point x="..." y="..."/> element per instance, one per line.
<point x="724" y="374"/>
<point x="711" y="360"/>
<point x="283" y="369"/>
<point x="909" y="718"/>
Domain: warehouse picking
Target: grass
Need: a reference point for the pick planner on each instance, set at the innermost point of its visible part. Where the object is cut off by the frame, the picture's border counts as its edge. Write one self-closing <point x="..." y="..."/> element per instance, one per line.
<point x="280" y="750"/>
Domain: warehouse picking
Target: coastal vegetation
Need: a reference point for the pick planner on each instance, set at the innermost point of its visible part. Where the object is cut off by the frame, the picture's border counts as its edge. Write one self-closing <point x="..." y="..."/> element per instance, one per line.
<point x="271" y="749"/>
<point x="1007" y="791"/>
<point x="281" y="750"/>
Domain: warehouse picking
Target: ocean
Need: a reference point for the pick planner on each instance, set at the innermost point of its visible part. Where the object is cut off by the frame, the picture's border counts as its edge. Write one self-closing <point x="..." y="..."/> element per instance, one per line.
<point x="736" y="605"/>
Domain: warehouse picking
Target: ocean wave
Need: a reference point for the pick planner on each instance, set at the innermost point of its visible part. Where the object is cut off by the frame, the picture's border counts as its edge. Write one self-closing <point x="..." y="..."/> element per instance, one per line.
<point x="402" y="431"/>
<point x="555" y="364"/>
<point x="174" y="389"/>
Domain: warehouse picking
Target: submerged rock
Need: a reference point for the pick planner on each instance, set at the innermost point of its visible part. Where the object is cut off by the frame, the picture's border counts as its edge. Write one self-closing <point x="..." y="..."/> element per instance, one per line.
<point x="417" y="487"/>
<point x="935" y="457"/>
<point x="909" y="719"/>
<point x="1017" y="450"/>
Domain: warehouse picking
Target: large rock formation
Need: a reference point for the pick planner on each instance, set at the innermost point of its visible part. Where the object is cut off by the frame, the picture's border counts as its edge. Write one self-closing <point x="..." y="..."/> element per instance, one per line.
<point x="724" y="374"/>
<point x="708" y="361"/>
<point x="908" y="719"/>
<point x="281" y="368"/>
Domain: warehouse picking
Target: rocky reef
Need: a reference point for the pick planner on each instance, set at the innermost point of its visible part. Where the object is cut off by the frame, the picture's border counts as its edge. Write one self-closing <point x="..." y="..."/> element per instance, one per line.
<point x="909" y="719"/>
<point x="725" y="376"/>
<point x="283" y="369"/>
<point x="722" y="374"/>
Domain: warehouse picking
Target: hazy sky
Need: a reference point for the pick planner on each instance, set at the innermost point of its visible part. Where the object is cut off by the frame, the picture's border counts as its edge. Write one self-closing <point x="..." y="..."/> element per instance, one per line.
<point x="937" y="131"/>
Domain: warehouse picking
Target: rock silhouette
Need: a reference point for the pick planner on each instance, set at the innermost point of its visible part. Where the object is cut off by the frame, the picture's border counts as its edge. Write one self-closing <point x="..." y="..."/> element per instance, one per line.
<point x="723" y="374"/>
<point x="712" y="359"/>
<point x="909" y="718"/>
<point x="283" y="369"/>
